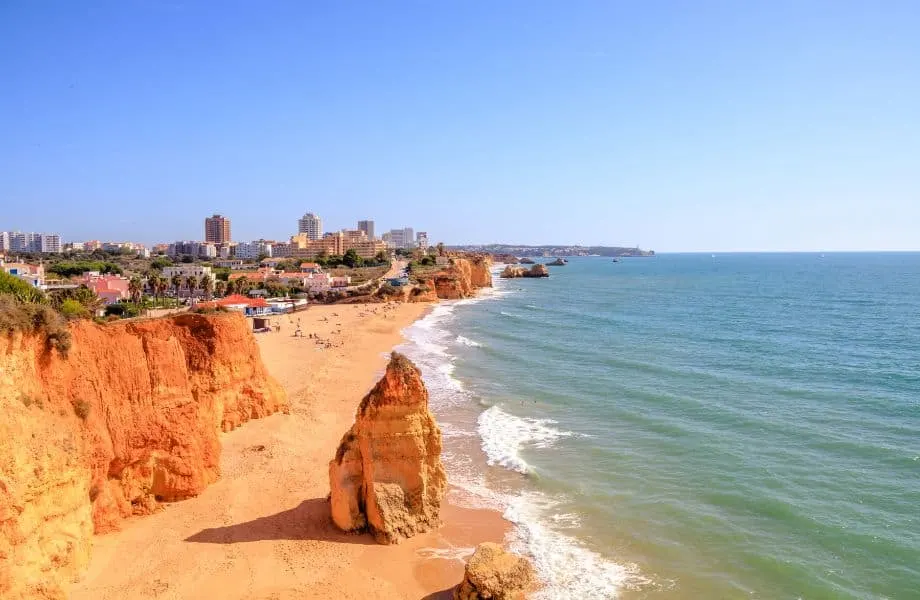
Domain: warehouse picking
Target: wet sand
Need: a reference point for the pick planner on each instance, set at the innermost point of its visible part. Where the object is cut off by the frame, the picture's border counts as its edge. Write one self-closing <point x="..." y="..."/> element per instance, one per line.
<point x="263" y="530"/>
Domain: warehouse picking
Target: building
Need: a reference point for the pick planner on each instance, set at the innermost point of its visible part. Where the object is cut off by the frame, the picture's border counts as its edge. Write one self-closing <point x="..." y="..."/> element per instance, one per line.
<point x="421" y="240"/>
<point x="252" y="250"/>
<point x="250" y="307"/>
<point x="17" y="241"/>
<point x="34" y="275"/>
<point x="368" y="228"/>
<point x="111" y="288"/>
<point x="310" y="267"/>
<point x="229" y="263"/>
<point x="400" y="238"/>
<point x="217" y="229"/>
<point x="311" y="225"/>
<point x="335" y="244"/>
<point x="186" y="271"/>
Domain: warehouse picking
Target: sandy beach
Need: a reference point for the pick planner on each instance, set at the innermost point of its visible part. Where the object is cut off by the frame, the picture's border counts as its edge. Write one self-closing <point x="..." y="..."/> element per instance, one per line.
<point x="263" y="530"/>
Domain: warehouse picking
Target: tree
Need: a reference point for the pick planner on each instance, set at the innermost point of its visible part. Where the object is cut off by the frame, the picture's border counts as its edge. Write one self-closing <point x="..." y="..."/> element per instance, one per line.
<point x="162" y="285"/>
<point x="220" y="288"/>
<point x="153" y="283"/>
<point x="22" y="291"/>
<point x="207" y="286"/>
<point x="382" y="257"/>
<point x="351" y="259"/>
<point x="136" y="289"/>
<point x="176" y="281"/>
<point x="191" y="282"/>
<point x="242" y="285"/>
<point x="440" y="248"/>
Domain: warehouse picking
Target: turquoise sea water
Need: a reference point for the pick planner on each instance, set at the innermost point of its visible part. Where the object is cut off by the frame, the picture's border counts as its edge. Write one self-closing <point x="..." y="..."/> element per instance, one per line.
<point x="693" y="426"/>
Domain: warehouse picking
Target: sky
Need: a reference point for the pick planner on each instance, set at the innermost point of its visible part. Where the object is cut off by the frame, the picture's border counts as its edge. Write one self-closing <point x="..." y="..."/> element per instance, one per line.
<point x="676" y="126"/>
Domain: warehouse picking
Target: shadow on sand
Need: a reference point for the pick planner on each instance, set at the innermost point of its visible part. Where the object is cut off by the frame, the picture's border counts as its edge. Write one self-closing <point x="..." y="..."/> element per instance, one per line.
<point x="310" y="520"/>
<point x="447" y="594"/>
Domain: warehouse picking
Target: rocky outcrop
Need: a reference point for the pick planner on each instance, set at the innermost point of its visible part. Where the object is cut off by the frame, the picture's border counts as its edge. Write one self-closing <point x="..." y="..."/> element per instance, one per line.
<point x="129" y="419"/>
<point x="527" y="261"/>
<point x="387" y="475"/>
<point x="495" y="574"/>
<point x="559" y="262"/>
<point x="512" y="272"/>
<point x="464" y="277"/>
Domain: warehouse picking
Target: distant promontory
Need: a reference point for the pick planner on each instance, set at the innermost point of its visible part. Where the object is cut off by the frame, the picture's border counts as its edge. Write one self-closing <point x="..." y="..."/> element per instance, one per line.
<point x="555" y="250"/>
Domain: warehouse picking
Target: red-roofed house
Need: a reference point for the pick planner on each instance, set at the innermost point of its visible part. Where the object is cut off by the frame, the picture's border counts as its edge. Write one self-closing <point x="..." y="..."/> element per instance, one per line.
<point x="111" y="288"/>
<point x="250" y="307"/>
<point x="310" y="267"/>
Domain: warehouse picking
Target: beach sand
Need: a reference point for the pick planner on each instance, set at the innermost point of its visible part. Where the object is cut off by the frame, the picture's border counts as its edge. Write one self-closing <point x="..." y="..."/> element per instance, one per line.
<point x="263" y="530"/>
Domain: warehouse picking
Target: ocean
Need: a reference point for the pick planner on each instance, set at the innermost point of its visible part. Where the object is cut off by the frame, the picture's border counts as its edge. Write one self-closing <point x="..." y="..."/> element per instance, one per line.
<point x="692" y="426"/>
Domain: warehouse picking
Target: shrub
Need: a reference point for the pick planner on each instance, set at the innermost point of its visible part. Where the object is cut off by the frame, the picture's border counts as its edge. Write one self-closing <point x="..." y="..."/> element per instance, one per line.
<point x="30" y="317"/>
<point x="81" y="408"/>
<point x="71" y="309"/>
<point x="19" y="289"/>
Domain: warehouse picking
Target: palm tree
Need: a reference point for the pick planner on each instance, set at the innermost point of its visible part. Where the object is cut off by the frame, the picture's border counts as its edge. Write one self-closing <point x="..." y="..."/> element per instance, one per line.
<point x="191" y="282"/>
<point x="176" y="282"/>
<point x="207" y="286"/>
<point x="440" y="248"/>
<point x="162" y="286"/>
<point x="136" y="289"/>
<point x="220" y="288"/>
<point x="153" y="282"/>
<point x="242" y="285"/>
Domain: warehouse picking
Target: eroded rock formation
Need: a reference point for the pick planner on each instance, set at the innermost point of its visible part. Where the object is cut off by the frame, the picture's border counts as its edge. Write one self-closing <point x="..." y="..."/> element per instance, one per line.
<point x="464" y="277"/>
<point x="511" y="271"/>
<point x="130" y="418"/>
<point x="387" y="475"/>
<point x="495" y="574"/>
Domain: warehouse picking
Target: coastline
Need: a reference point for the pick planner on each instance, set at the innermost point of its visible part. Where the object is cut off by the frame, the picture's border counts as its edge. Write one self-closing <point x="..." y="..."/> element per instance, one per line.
<point x="263" y="529"/>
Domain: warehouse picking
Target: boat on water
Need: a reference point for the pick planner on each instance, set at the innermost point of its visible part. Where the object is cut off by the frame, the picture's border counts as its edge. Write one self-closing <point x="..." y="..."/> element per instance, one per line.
<point x="616" y="260"/>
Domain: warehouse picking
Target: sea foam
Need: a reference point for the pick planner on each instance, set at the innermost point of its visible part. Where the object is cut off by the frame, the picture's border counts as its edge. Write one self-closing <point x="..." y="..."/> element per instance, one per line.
<point x="504" y="436"/>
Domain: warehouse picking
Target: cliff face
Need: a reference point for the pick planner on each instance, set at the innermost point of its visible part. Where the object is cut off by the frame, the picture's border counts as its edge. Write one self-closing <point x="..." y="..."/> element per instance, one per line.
<point x="464" y="277"/>
<point x="495" y="574"/>
<point x="130" y="418"/>
<point x="387" y="474"/>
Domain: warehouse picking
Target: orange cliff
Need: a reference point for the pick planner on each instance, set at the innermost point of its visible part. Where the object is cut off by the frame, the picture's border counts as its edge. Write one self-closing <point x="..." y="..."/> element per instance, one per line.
<point x="464" y="277"/>
<point x="128" y="419"/>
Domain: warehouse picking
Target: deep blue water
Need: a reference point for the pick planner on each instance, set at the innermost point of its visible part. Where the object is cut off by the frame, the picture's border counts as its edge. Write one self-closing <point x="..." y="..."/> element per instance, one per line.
<point x="694" y="426"/>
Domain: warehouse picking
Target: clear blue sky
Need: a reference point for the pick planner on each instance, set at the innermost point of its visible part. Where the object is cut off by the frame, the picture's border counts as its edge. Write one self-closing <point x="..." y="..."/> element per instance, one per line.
<point x="733" y="125"/>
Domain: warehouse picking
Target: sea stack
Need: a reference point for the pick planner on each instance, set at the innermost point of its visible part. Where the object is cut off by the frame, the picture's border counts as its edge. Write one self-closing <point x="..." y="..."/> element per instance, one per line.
<point x="387" y="476"/>
<point x="495" y="574"/>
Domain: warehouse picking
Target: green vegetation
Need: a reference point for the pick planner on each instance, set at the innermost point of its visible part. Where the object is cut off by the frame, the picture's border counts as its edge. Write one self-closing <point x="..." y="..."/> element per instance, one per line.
<point x="34" y="317"/>
<point x="71" y="309"/>
<point x="86" y="297"/>
<point x="69" y="269"/>
<point x="19" y="289"/>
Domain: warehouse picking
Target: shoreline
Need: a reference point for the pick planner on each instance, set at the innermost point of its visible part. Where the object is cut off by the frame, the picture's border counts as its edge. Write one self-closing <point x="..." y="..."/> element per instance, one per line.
<point x="263" y="529"/>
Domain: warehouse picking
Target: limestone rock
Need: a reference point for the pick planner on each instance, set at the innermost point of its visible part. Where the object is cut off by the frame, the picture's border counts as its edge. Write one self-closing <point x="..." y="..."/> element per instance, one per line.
<point x="464" y="277"/>
<point x="387" y="475"/>
<point x="495" y="574"/>
<point x="129" y="419"/>
<point x="512" y="272"/>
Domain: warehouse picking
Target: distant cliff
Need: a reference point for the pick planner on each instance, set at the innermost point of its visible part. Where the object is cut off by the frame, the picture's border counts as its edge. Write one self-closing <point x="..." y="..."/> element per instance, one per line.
<point x="555" y="250"/>
<point x="464" y="277"/>
<point x="129" y="419"/>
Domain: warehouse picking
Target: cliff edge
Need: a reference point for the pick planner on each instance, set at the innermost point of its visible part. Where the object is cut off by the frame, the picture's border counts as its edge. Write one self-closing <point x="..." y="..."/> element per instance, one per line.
<point x="464" y="277"/>
<point x="387" y="475"/>
<point x="129" y="419"/>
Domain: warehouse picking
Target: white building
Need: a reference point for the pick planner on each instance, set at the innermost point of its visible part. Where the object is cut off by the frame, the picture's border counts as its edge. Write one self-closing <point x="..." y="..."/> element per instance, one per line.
<point x="400" y="238"/>
<point x="421" y="240"/>
<point x="311" y="225"/>
<point x="189" y="271"/>
<point x="17" y="241"/>
<point x="252" y="250"/>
